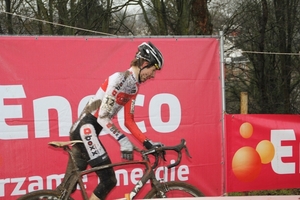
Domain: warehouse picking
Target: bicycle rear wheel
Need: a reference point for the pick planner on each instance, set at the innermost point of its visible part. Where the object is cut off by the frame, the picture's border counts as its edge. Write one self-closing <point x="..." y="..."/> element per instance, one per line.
<point x="42" y="195"/>
<point x="174" y="189"/>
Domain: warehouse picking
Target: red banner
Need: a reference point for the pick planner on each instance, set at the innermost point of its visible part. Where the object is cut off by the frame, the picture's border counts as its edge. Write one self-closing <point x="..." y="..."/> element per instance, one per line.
<point x="262" y="152"/>
<point x="46" y="81"/>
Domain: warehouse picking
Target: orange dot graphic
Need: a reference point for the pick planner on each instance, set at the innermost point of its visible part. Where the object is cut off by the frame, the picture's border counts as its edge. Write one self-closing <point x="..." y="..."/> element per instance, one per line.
<point x="246" y="164"/>
<point x="246" y="130"/>
<point x="266" y="151"/>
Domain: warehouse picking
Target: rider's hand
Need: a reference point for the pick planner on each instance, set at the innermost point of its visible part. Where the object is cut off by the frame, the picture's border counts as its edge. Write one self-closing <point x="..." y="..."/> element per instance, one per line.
<point x="126" y="148"/>
<point x="149" y="144"/>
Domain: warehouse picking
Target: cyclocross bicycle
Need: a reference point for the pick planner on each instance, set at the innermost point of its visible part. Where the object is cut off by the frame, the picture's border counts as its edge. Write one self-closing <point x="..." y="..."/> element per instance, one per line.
<point x="159" y="189"/>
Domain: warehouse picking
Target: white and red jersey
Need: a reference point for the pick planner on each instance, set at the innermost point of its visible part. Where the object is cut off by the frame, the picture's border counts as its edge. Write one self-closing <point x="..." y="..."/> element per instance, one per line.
<point x="119" y="90"/>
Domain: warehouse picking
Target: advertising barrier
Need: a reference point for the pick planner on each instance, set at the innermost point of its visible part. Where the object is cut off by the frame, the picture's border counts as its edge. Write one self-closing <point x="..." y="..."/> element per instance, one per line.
<point x="262" y="152"/>
<point x="46" y="81"/>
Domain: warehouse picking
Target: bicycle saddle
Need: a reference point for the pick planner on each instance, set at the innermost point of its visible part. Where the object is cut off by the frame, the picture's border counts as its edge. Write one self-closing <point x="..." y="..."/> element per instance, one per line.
<point x="64" y="143"/>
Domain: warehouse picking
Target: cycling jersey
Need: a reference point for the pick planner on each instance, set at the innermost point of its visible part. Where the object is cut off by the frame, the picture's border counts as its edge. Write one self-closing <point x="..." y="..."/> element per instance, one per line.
<point x="119" y="90"/>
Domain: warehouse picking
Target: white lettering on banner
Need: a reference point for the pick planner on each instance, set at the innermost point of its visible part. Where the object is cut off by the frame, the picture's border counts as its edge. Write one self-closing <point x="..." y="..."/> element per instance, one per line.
<point x="41" y="107"/>
<point x="277" y="136"/>
<point x="41" y="116"/>
<point x="184" y="170"/>
<point x="21" y="186"/>
<point x="8" y="132"/>
<point x="135" y="176"/>
<point x="19" y="182"/>
<point x="137" y="173"/>
<point x="2" y="186"/>
<point x="56" y="178"/>
<point x="35" y="183"/>
<point x="155" y="113"/>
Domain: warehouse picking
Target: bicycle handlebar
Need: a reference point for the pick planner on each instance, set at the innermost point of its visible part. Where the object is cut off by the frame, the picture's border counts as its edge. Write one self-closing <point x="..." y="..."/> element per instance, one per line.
<point x="160" y="151"/>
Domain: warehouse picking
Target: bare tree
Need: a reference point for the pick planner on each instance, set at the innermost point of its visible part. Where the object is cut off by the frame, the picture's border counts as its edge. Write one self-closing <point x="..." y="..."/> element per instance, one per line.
<point x="201" y="17"/>
<point x="176" y="17"/>
<point x="62" y="17"/>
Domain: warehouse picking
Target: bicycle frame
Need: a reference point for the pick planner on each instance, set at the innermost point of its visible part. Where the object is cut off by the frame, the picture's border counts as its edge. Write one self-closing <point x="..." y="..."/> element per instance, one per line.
<point x="75" y="176"/>
<point x="159" y="189"/>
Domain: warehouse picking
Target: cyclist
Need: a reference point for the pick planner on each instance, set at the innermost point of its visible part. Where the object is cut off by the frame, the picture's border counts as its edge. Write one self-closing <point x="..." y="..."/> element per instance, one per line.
<point x="118" y="90"/>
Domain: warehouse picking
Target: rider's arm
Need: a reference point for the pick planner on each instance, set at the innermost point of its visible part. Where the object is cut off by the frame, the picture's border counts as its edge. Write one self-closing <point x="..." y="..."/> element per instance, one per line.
<point x="133" y="128"/>
<point x="130" y="123"/>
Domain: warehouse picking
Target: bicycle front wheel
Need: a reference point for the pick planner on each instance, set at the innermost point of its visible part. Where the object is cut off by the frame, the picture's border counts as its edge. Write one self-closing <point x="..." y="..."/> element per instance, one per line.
<point x="174" y="189"/>
<point x="42" y="195"/>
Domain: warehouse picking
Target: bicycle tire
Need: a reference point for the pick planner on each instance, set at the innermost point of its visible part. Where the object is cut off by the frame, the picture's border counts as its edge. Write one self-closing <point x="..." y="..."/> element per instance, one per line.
<point x="42" y="195"/>
<point x="175" y="189"/>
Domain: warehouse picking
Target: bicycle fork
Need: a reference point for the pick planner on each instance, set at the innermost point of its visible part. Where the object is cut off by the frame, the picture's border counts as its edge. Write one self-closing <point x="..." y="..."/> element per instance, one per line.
<point x="160" y="187"/>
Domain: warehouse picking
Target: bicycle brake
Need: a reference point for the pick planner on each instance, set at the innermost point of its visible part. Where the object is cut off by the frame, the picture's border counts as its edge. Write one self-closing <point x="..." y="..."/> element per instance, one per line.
<point x="163" y="155"/>
<point x="187" y="152"/>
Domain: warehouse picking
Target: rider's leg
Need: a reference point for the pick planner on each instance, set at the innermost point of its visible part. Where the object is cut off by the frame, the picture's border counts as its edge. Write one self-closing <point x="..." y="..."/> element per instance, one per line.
<point x="89" y="130"/>
<point x="94" y="153"/>
<point x="107" y="181"/>
<point x="94" y="197"/>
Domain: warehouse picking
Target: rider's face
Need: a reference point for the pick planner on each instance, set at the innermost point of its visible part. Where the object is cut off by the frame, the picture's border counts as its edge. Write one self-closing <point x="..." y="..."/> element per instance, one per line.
<point x="147" y="73"/>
